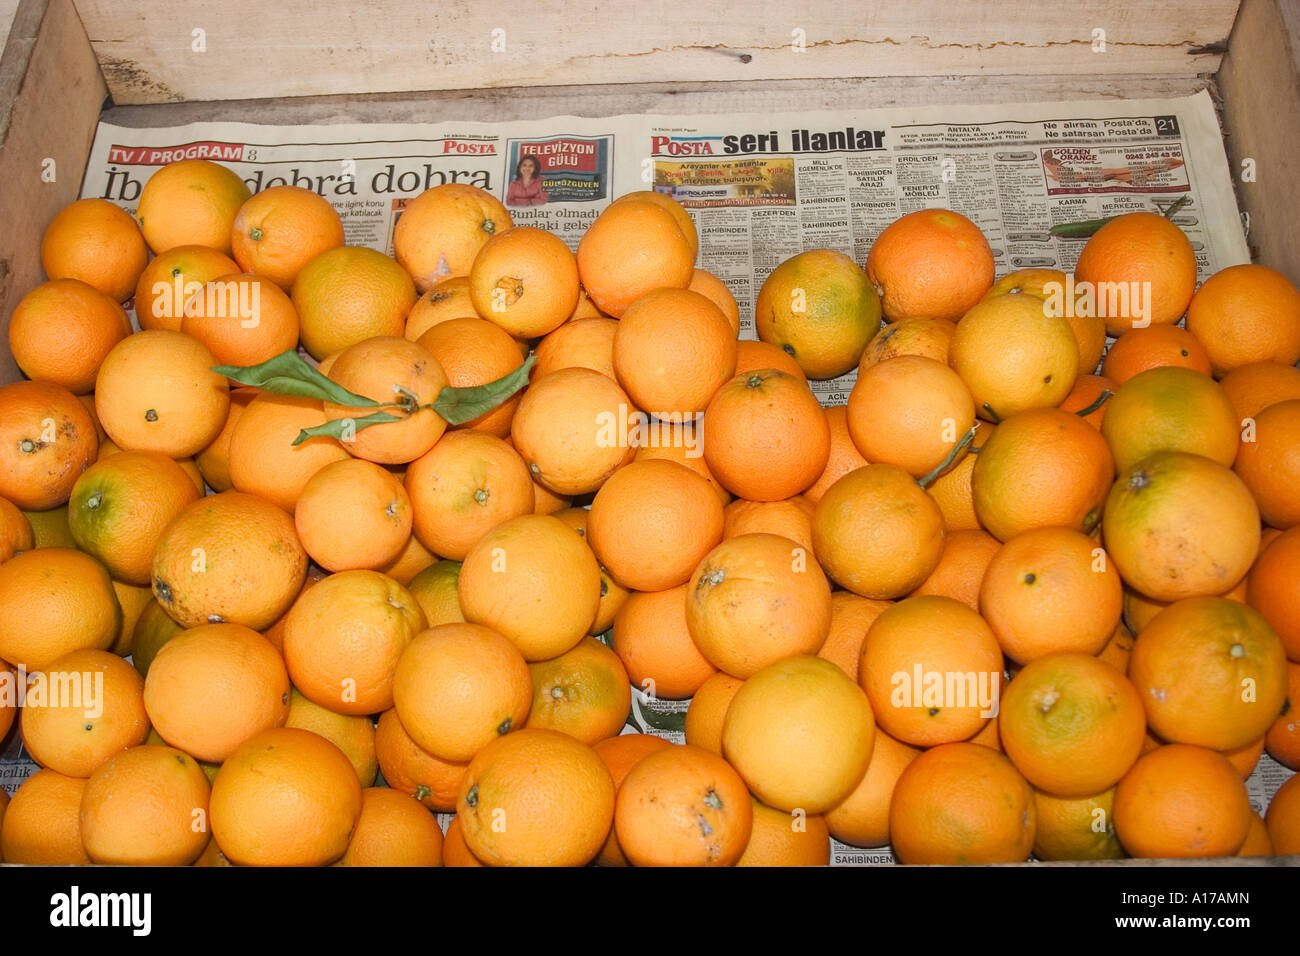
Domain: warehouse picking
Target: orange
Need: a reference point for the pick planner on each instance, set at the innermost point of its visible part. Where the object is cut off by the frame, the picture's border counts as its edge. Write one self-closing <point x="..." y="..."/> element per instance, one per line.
<point x="54" y="601"/>
<point x="1050" y="286"/>
<point x="1014" y="354"/>
<point x="1246" y="757"/>
<point x="1041" y="468"/>
<point x="1155" y="346"/>
<point x="962" y="567"/>
<point x="652" y="522"/>
<point x="1118" y="649"/>
<point x="1140" y="609"/>
<point x="1076" y="828"/>
<point x="911" y="412"/>
<point x="393" y="830"/>
<point x="50" y="528"/>
<point x="281" y="229"/>
<point x="584" y="692"/>
<point x="961" y="803"/>
<point x="877" y="533"/>
<point x="1245" y="314"/>
<point x="120" y="506"/>
<point x="262" y="458"/>
<point x="680" y="216"/>
<point x="348" y="294"/>
<point x="765" y="436"/>
<point x="862" y="818"/>
<point x="455" y="852"/>
<point x="215" y="686"/>
<point x="916" y="336"/>
<point x="147" y="806"/>
<point x="214" y="461"/>
<point x="716" y="291"/>
<point x="1269" y="463"/>
<point x="47" y="439"/>
<point x="756" y="599"/>
<point x="1258" y="842"/>
<point x="1090" y="392"/>
<point x="851" y="616"/>
<point x="153" y="628"/>
<point x="81" y="709"/>
<point x="525" y="280"/>
<point x="800" y="733"/>
<point x="932" y="262"/>
<point x="581" y="343"/>
<point x="42" y="824"/>
<point x="680" y="442"/>
<point x="156" y="391"/>
<point x="15" y="531"/>
<point x="413" y="559"/>
<point x="786" y="839"/>
<point x="951" y="491"/>
<point x="352" y="734"/>
<point x="1254" y="387"/>
<point x="1283" y="818"/>
<point x="1211" y="673"/>
<point x="620" y="754"/>
<point x="552" y="792"/>
<point x="820" y="309"/>
<point x="652" y="639"/>
<point x="408" y="768"/>
<point x="448" y="299"/>
<point x="612" y="594"/>
<point x="844" y="456"/>
<point x="62" y="330"/>
<point x="1146" y="256"/>
<point x="632" y="247"/>
<point x="1273" y="589"/>
<point x="133" y="600"/>
<point x="573" y="428"/>
<point x="673" y="350"/>
<point x="1170" y="409"/>
<point x="476" y="352"/>
<point x="171" y="278"/>
<point x="708" y="709"/>
<point x="791" y="519"/>
<point x="243" y="319"/>
<point x="1049" y="590"/>
<point x="1179" y="525"/>
<point x="286" y="797"/>
<point x="228" y="557"/>
<point x="441" y="230"/>
<point x="683" y="806"/>
<point x="751" y="356"/>
<point x="97" y="242"/>
<point x="1182" y="801"/>
<point x="190" y="202"/>
<point x="353" y="514"/>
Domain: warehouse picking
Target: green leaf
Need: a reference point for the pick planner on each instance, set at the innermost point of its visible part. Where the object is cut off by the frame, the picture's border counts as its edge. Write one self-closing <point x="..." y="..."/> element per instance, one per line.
<point x="1079" y="230"/>
<point x="337" y="427"/>
<point x="461" y="405"/>
<point x="665" y="720"/>
<point x="290" y="374"/>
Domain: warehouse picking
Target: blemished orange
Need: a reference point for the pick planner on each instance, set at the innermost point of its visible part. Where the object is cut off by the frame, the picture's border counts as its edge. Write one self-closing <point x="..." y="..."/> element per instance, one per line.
<point x="652" y="523"/>
<point x="1154" y="346"/>
<point x="286" y="797"/>
<point x="229" y="557"/>
<point x="620" y="754"/>
<point x="1049" y="590"/>
<point x="877" y="533"/>
<point x="1014" y="354"/>
<point x="1171" y="409"/>
<point x="844" y="455"/>
<point x="62" y="330"/>
<point x="851" y="616"/>
<point x="42" y="824"/>
<point x="820" y="309"/>
<point x="1192" y="664"/>
<point x="791" y="518"/>
<point x="393" y="830"/>
<point x="581" y="343"/>
<point x="1182" y="801"/>
<point x="348" y="294"/>
<point x="574" y="429"/>
<point x="1072" y="725"/>
<point x="1118" y="649"/>
<point x="54" y="601"/>
<point x="1273" y="589"/>
<point x="1245" y="314"/>
<point x="1090" y="395"/>
<point x="120" y="506"/>
<point x="1282" y="819"/>
<point x="475" y="352"/>
<point x="243" y="319"/>
<point x="156" y="391"/>
<point x="353" y="514"/>
<point x="409" y="768"/>
<point x="262" y="458"/>
<point x="15" y="531"/>
<point x="654" y="643"/>
<point x="765" y="436"/>
<point x="1138" y="251"/>
<point x="862" y="818"/>
<point x="962" y="567"/>
<point x="916" y="336"/>
<point x="1254" y="387"/>
<point x="352" y="734"/>
<point x="752" y="355"/>
<point x="716" y="291"/>
<point x="911" y="412"/>
<point x="673" y="350"/>
<point x="786" y="839"/>
<point x="1179" y="525"/>
<point x="584" y="692"/>
<point x="933" y="262"/>
<point x="951" y="491"/>
<point x="47" y="439"/>
<point x="961" y="803"/>
<point x="553" y="790"/>
<point x="281" y="229"/>
<point x="146" y="806"/>
<point x="441" y="230"/>
<point x="800" y="733"/>
<point x="191" y="202"/>
<point x="708" y="710"/>
<point x="1076" y="828"/>
<point x="171" y="278"/>
<point x="1269" y="463"/>
<point x="447" y="300"/>
<point x="683" y="806"/>
<point x="632" y="247"/>
<point x="1041" y="468"/>
<point x="213" y="687"/>
<point x="756" y="599"/>
<point x="680" y="216"/>
<point x="524" y="280"/>
<point x="85" y="707"/>
<point x="97" y="242"/>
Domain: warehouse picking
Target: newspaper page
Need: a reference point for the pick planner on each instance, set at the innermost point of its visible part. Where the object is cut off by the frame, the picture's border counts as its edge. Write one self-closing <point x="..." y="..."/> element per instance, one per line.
<point x="760" y="189"/>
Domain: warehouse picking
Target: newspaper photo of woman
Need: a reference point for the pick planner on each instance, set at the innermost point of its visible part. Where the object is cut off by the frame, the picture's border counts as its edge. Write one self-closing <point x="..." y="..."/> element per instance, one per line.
<point x="527" y="188"/>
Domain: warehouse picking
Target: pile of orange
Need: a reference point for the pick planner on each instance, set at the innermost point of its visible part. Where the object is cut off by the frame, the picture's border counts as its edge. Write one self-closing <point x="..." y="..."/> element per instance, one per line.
<point x="1002" y="603"/>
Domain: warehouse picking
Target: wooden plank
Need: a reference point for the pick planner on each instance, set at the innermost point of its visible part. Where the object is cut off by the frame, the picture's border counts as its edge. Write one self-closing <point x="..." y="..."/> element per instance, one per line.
<point x="251" y="50"/>
<point x="52" y="117"/>
<point x="1260" y="83"/>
